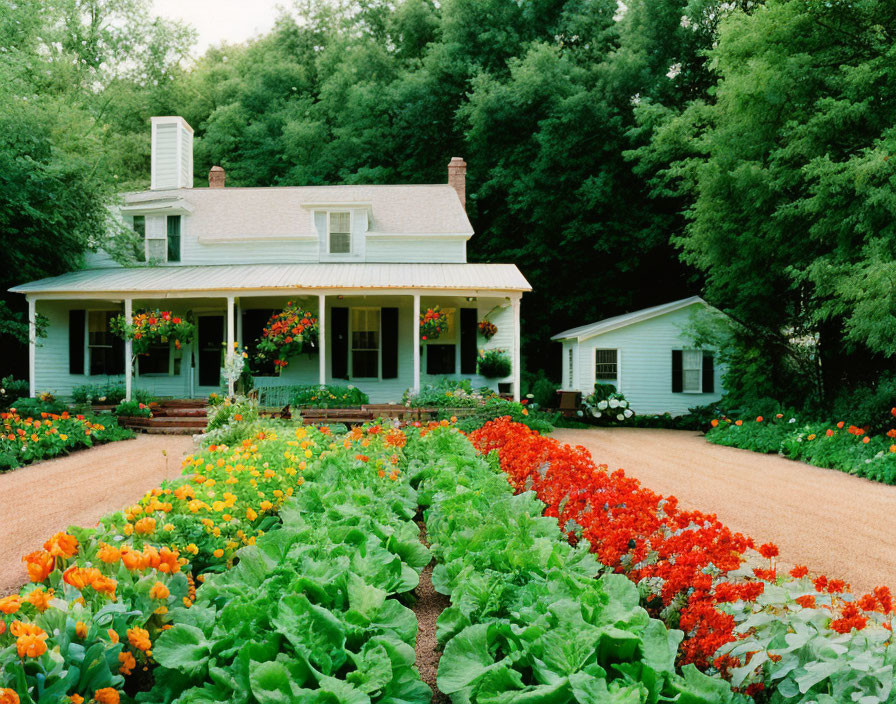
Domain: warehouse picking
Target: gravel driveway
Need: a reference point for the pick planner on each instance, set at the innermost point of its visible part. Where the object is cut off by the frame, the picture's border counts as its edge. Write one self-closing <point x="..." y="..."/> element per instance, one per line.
<point x="836" y="524"/>
<point x="41" y="499"/>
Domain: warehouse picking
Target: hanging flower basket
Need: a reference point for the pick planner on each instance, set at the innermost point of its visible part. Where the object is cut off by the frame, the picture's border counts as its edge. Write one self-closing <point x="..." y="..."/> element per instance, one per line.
<point x="288" y="333"/>
<point x="487" y="329"/>
<point x="148" y="327"/>
<point x="433" y="323"/>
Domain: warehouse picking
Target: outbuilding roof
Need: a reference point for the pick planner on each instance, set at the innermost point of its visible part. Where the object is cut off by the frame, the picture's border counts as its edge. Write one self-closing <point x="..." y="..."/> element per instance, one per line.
<point x="244" y="214"/>
<point x="583" y="332"/>
<point x="290" y="277"/>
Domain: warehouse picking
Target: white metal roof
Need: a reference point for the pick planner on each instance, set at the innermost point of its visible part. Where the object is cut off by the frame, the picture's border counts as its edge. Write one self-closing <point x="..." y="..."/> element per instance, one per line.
<point x="583" y="332"/>
<point x="246" y="214"/>
<point x="472" y="277"/>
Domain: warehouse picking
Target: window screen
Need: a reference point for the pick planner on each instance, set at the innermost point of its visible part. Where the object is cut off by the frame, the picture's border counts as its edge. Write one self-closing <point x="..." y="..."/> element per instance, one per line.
<point x="606" y="365"/>
<point x="365" y="343"/>
<point x="340" y="233"/>
<point x="692" y="367"/>
<point x="572" y="374"/>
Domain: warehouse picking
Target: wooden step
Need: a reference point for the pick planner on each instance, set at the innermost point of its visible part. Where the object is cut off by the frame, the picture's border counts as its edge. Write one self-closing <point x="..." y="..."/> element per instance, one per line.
<point x="171" y="430"/>
<point x="166" y="421"/>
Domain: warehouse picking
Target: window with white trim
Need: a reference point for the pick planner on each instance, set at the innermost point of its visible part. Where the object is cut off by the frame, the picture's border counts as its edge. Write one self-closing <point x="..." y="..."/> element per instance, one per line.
<point x="606" y="365"/>
<point x="572" y="375"/>
<point x="692" y="370"/>
<point x="339" y="233"/>
<point x="365" y="339"/>
<point x="101" y="348"/>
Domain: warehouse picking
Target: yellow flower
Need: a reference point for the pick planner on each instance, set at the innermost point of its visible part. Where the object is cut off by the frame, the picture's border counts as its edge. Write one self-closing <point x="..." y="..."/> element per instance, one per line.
<point x="218" y="553"/>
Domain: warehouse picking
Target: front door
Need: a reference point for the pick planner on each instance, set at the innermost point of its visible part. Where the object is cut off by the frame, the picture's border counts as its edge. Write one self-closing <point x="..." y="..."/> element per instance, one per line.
<point x="210" y="337"/>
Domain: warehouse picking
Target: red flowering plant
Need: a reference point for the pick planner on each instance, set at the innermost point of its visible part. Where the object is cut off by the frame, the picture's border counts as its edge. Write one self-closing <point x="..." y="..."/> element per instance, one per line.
<point x="288" y="333"/>
<point x="148" y="327"/>
<point x="689" y="568"/>
<point x="433" y="323"/>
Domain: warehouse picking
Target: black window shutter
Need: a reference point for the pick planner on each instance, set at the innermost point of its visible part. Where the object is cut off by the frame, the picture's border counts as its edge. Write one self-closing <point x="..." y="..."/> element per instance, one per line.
<point x="469" y="328"/>
<point x="439" y="359"/>
<point x="76" y="326"/>
<point x="339" y="343"/>
<point x="709" y="375"/>
<point x="389" y="331"/>
<point x="677" y="371"/>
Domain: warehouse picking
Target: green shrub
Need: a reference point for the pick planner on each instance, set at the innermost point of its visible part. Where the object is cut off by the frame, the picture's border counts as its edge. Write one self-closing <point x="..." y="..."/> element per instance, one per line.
<point x="110" y="394"/>
<point x="35" y="406"/>
<point x="494" y="364"/>
<point x="133" y="409"/>
<point x="242" y="410"/>
<point x="608" y="408"/>
<point x="869" y="406"/>
<point x="327" y="396"/>
<point x="497" y="408"/>
<point x="449" y="393"/>
<point x="11" y="390"/>
<point x="540" y="390"/>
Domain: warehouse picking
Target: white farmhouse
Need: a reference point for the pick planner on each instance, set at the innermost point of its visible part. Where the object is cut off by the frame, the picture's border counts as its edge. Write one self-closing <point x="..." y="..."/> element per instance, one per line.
<point x="366" y="260"/>
<point x="646" y="356"/>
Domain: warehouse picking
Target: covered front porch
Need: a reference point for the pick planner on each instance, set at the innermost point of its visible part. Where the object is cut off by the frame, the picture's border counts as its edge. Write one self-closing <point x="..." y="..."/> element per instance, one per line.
<point x="366" y="339"/>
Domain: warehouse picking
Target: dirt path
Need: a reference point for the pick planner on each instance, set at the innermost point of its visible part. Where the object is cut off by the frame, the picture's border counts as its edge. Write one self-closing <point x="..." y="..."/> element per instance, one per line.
<point x="836" y="524"/>
<point x="41" y="499"/>
<point x="427" y="609"/>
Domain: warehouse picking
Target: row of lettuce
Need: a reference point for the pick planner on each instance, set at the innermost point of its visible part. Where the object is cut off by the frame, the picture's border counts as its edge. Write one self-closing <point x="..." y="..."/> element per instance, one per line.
<point x="779" y="636"/>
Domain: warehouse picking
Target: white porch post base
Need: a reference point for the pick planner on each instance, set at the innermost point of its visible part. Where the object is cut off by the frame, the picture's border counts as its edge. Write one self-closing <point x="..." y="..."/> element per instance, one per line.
<point x="322" y="338"/>
<point x="230" y="341"/>
<point x="517" y="376"/>
<point x="32" y="346"/>
<point x="416" y="339"/>
<point x="128" y="353"/>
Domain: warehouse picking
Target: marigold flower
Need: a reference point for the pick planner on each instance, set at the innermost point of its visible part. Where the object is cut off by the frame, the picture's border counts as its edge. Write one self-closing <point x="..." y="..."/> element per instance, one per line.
<point x="62" y="545"/>
<point x="107" y="695"/>
<point x="139" y="638"/>
<point x="159" y="591"/>
<point x="128" y="663"/>
<point x="113" y="635"/>
<point x="145" y="526"/>
<point x="10" y="604"/>
<point x="8" y="696"/>
<point x="108" y="554"/>
<point x="39" y="565"/>
<point x="76" y="699"/>
<point x="218" y="553"/>
<point x="40" y="599"/>
<point x="738" y="422"/>
<point x="799" y="571"/>
<point x="81" y="630"/>
<point x="30" y="639"/>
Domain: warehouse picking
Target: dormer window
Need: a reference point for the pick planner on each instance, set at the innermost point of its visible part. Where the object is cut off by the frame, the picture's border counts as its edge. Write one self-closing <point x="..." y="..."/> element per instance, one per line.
<point x="139" y="226"/>
<point x="339" y="233"/>
<point x="174" y="238"/>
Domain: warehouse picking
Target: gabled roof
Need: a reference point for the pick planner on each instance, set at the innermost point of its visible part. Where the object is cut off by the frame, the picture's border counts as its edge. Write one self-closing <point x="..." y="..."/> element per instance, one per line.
<point x="287" y="277"/>
<point x="583" y="332"/>
<point x="244" y="214"/>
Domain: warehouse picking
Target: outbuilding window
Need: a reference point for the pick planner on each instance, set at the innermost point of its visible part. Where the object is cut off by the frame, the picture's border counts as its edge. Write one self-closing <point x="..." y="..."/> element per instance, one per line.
<point x="340" y="233"/>
<point x="606" y="365"/>
<point x="692" y="370"/>
<point x="572" y="374"/>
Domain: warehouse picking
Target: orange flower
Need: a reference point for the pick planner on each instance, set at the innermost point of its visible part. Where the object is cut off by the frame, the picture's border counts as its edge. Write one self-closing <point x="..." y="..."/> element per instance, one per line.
<point x="10" y="604"/>
<point x="799" y="571"/>
<point x="169" y="561"/>
<point x="145" y="526"/>
<point x="106" y="695"/>
<point x="738" y="422"/>
<point x="76" y="699"/>
<point x="40" y="599"/>
<point x="81" y="630"/>
<point x="29" y="639"/>
<point x="807" y="601"/>
<point x="714" y="422"/>
<point x="132" y="559"/>
<point x="127" y="662"/>
<point x="8" y="696"/>
<point x="108" y="553"/>
<point x="768" y="550"/>
<point x="758" y="419"/>
<point x="39" y="564"/>
<point x="159" y="591"/>
<point x="139" y="638"/>
<point x="62" y="545"/>
<point x="113" y="635"/>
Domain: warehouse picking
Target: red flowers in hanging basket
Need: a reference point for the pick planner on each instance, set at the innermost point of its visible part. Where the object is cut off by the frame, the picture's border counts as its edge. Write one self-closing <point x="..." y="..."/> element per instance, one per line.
<point x="433" y="323"/>
<point x="289" y="332"/>
<point x="487" y="329"/>
<point x="147" y="327"/>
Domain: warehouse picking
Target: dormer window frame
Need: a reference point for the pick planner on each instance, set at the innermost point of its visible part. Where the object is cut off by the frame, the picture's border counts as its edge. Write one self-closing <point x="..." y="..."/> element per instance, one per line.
<point x="330" y="233"/>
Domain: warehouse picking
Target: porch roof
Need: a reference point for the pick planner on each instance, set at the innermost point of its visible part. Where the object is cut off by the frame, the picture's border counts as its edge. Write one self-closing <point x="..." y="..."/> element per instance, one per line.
<point x="287" y="277"/>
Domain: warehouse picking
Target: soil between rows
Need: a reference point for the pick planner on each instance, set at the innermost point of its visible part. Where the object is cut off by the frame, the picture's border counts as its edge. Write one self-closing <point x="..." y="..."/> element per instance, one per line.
<point x="427" y="609"/>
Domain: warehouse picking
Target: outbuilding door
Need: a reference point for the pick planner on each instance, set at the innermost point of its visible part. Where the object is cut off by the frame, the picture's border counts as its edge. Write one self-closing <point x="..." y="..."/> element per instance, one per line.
<point x="210" y="336"/>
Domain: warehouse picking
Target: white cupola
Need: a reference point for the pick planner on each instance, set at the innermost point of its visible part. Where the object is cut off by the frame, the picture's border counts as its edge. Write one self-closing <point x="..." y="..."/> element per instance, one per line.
<point x="172" y="153"/>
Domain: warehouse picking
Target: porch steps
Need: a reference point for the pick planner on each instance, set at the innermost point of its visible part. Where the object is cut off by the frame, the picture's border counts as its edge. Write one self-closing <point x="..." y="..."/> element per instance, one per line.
<point x="174" y="417"/>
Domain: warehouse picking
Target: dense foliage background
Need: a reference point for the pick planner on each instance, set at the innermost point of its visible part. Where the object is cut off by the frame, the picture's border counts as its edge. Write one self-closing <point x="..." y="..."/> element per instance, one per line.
<point x="620" y="156"/>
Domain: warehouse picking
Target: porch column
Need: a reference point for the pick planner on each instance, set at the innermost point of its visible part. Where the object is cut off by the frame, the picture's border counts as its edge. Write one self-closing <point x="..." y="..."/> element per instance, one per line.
<point x="128" y="352"/>
<point x="322" y="338"/>
<point x="516" y="349"/>
<point x="32" y="346"/>
<point x="416" y="338"/>
<point x="230" y="341"/>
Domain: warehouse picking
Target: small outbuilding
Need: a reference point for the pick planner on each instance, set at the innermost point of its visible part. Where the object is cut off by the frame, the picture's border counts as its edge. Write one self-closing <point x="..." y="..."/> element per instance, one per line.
<point x="647" y="356"/>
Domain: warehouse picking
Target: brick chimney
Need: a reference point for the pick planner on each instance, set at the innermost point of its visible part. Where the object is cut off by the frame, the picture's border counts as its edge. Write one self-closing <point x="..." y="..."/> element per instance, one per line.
<point x="216" y="177"/>
<point x="457" y="178"/>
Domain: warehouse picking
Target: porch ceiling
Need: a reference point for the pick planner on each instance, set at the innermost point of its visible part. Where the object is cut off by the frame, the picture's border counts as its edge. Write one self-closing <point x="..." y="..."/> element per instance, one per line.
<point x="288" y="277"/>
